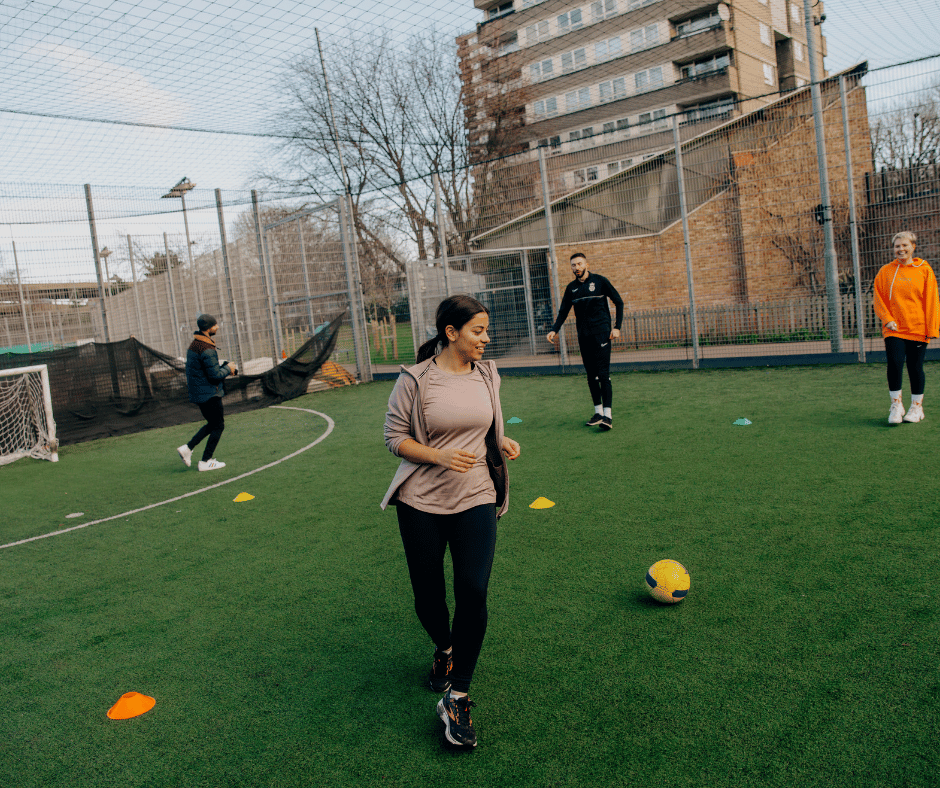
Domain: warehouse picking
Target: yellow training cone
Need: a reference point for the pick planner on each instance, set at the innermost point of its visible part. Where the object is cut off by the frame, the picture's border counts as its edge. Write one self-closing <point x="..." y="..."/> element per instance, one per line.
<point x="130" y="704"/>
<point x="243" y="497"/>
<point x="541" y="503"/>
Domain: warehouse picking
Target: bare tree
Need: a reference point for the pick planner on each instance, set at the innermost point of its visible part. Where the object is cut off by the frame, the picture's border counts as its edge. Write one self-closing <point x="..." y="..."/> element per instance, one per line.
<point x="399" y="118"/>
<point x="908" y="135"/>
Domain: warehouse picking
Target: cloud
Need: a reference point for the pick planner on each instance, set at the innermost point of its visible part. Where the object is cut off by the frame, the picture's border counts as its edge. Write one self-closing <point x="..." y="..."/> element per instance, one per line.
<point x="102" y="90"/>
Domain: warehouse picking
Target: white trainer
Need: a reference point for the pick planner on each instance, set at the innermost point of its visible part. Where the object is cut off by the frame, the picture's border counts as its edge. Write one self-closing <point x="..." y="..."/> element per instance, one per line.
<point x="186" y="454"/>
<point x="894" y="415"/>
<point x="210" y="465"/>
<point x="916" y="413"/>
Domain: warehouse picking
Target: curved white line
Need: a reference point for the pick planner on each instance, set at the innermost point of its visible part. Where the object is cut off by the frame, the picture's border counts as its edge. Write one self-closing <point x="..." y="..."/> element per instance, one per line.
<point x="329" y="429"/>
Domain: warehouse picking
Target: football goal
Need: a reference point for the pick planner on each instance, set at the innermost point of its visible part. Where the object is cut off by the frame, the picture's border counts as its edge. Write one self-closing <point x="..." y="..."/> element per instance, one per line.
<point x="27" y="428"/>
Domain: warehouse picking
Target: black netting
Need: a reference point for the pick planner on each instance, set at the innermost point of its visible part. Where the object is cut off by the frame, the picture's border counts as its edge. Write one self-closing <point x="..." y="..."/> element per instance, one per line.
<point x="103" y="389"/>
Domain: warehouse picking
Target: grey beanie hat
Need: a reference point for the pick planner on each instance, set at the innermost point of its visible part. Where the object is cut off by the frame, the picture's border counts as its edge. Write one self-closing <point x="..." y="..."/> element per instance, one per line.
<point x="205" y="322"/>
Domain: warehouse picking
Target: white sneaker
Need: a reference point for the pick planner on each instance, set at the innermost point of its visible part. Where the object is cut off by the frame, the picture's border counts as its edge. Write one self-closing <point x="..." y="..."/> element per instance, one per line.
<point x="186" y="454"/>
<point x="210" y="465"/>
<point x="894" y="415"/>
<point x="916" y="413"/>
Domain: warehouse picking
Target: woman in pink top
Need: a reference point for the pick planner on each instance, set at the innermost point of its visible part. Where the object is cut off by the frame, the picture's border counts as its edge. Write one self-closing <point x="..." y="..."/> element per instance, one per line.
<point x="445" y="421"/>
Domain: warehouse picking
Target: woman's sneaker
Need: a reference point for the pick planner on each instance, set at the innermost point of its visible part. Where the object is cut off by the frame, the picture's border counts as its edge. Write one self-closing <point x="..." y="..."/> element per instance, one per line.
<point x="596" y="419"/>
<point x="439" y="678"/>
<point x="458" y="727"/>
<point x="896" y="413"/>
<point x="210" y="465"/>
<point x="915" y="412"/>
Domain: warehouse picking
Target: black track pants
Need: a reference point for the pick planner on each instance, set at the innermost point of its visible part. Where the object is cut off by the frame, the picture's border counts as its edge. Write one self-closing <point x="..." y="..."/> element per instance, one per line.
<point x="595" y="355"/>
<point x="898" y="351"/>
<point x="472" y="538"/>
<point x="214" y="415"/>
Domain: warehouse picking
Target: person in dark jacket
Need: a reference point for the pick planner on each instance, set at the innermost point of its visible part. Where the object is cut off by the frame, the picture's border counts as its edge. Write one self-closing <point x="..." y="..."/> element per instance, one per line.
<point x="204" y="376"/>
<point x="588" y="294"/>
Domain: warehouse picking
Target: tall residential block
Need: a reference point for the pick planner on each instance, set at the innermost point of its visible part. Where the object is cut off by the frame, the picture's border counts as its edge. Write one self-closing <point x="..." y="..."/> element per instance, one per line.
<point x="597" y="83"/>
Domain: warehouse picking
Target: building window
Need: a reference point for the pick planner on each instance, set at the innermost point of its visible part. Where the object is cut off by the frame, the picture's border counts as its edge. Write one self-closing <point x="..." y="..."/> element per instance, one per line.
<point x="650" y="79"/>
<point x="644" y="37"/>
<point x="609" y="128"/>
<point x="635" y="4"/>
<point x="612" y="89"/>
<point x="573" y="60"/>
<point x="613" y="168"/>
<point x="697" y="24"/>
<point x="577" y="99"/>
<point x="795" y="17"/>
<point x="623" y="124"/>
<point x="765" y="34"/>
<point x="657" y="118"/>
<point x="508" y="42"/>
<point x="537" y="32"/>
<point x="711" y="109"/>
<point x="587" y="175"/>
<point x="603" y="9"/>
<point x="768" y="74"/>
<point x="499" y="10"/>
<point x="530" y="3"/>
<point x="546" y="108"/>
<point x="706" y="66"/>
<point x="798" y="51"/>
<point x="605" y="50"/>
<point x="543" y="70"/>
<point x="570" y="20"/>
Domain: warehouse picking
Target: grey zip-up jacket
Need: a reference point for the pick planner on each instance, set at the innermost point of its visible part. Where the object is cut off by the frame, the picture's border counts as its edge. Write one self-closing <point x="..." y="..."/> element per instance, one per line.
<point x="405" y="418"/>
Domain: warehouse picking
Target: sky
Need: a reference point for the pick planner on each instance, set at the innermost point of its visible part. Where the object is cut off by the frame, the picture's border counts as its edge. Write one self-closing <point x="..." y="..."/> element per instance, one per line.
<point x="132" y="95"/>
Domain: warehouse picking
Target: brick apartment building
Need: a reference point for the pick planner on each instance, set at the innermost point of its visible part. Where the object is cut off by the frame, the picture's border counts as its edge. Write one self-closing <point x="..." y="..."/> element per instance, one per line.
<point x="597" y="82"/>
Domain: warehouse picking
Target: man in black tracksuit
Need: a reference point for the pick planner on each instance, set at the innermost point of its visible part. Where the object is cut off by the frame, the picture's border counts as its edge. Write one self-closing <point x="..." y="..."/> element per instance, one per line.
<point x="588" y="294"/>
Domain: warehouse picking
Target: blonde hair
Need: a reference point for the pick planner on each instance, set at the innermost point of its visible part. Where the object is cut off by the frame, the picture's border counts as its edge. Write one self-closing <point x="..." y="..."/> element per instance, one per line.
<point x="904" y="235"/>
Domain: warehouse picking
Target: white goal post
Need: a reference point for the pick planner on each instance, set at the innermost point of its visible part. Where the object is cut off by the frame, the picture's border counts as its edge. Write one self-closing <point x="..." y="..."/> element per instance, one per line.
<point x="27" y="428"/>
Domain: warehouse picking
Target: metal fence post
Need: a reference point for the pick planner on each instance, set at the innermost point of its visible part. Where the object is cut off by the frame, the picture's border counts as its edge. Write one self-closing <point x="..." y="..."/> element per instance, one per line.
<point x="303" y="267"/>
<point x="693" y="317"/>
<point x="853" y="222"/>
<point x="174" y="314"/>
<point x="441" y="234"/>
<point x="228" y="279"/>
<point x="552" y="257"/>
<point x="130" y="254"/>
<point x="527" y="289"/>
<point x="267" y="283"/>
<point x="19" y="287"/>
<point x="356" y="314"/>
<point x="94" y="250"/>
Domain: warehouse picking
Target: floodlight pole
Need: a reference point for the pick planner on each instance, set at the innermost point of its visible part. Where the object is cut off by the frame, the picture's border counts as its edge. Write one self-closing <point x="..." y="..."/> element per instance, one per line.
<point x="179" y="190"/>
<point x="829" y="251"/>
<point x="130" y="254"/>
<point x="176" y="321"/>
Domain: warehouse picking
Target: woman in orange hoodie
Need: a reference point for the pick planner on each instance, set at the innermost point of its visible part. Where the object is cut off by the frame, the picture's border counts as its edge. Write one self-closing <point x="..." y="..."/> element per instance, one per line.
<point x="907" y="302"/>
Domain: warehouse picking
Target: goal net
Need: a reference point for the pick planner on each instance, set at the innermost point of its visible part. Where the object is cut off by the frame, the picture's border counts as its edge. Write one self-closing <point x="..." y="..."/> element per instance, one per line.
<point x="26" y="425"/>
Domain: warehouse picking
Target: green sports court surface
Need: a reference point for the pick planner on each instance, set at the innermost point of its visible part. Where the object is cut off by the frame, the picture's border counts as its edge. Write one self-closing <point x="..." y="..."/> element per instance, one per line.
<point x="280" y="643"/>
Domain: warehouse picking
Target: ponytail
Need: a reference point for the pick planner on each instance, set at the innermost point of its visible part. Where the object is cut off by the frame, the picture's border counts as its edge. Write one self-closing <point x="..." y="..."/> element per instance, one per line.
<point x="428" y="349"/>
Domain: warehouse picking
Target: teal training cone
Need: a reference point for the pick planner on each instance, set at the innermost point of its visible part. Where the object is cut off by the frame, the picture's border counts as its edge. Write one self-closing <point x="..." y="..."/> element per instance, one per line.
<point x="514" y="420"/>
<point x="742" y="422"/>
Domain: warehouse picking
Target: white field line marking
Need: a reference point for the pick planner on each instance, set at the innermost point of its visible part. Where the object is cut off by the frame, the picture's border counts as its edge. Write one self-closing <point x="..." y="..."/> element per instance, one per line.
<point x="329" y="429"/>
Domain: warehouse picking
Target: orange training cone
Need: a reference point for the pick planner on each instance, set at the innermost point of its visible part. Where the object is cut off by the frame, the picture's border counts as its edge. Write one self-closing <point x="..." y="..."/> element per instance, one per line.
<point x="130" y="704"/>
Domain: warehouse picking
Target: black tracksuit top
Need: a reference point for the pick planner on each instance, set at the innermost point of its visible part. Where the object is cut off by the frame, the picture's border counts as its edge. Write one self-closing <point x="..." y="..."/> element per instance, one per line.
<point x="589" y="299"/>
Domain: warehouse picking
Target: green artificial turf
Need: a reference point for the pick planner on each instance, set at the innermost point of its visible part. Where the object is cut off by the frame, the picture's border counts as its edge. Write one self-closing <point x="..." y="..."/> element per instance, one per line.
<point x="279" y="639"/>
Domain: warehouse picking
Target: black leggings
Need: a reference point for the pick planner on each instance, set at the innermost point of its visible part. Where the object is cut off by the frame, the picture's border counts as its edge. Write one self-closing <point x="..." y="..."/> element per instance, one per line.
<point x="595" y="355"/>
<point x="215" y="422"/>
<point x="471" y="535"/>
<point x="900" y="350"/>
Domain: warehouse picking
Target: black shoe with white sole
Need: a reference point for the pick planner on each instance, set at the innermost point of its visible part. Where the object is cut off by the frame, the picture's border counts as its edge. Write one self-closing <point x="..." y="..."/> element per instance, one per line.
<point x="458" y="727"/>
<point x="596" y="419"/>
<point x="607" y="423"/>
<point x="439" y="678"/>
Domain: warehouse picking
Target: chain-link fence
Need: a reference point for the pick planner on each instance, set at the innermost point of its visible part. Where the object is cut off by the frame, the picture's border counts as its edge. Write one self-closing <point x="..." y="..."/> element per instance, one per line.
<point x="743" y="234"/>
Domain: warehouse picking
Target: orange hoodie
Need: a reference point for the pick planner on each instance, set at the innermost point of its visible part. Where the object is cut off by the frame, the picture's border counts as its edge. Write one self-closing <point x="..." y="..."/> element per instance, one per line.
<point x="907" y="295"/>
